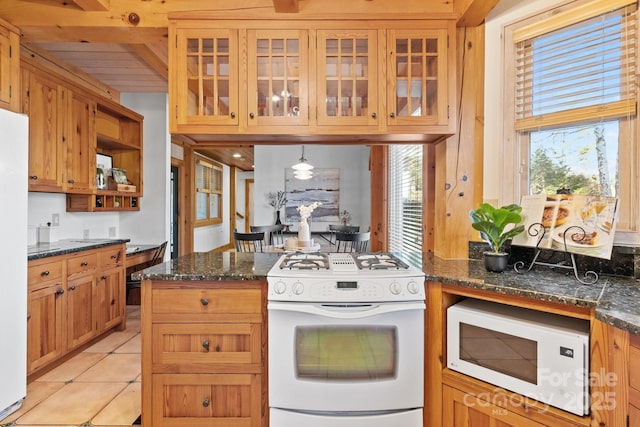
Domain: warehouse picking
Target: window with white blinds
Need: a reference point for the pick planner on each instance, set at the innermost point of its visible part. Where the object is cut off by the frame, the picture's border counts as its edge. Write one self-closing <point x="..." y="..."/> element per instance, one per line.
<point x="405" y="200"/>
<point x="579" y="64"/>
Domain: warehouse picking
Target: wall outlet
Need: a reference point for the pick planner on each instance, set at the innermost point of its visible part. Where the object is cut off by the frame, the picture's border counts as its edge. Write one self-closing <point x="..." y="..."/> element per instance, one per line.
<point x="85" y="233"/>
<point x="55" y="219"/>
<point x="112" y="232"/>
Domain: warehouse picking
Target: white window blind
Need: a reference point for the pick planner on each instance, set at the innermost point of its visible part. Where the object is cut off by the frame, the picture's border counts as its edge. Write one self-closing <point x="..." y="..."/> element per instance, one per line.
<point x="405" y="200"/>
<point x="569" y="71"/>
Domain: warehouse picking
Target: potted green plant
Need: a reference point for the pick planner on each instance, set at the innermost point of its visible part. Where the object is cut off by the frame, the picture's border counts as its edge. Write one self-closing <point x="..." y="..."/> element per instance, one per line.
<point x="491" y="223"/>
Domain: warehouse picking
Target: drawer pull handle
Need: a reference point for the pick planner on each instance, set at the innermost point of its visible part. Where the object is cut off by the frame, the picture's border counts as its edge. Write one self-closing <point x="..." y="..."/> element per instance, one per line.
<point x="45" y="273"/>
<point x="114" y="256"/>
<point x="84" y="263"/>
<point x="205" y="403"/>
<point x="34" y="177"/>
<point x="205" y="345"/>
<point x="72" y="288"/>
<point x="104" y="277"/>
<point x="60" y="292"/>
<point x="204" y="301"/>
<point x="71" y="181"/>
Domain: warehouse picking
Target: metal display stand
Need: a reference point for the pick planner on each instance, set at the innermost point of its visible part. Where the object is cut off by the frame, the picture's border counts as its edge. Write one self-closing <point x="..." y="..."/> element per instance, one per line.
<point x="568" y="263"/>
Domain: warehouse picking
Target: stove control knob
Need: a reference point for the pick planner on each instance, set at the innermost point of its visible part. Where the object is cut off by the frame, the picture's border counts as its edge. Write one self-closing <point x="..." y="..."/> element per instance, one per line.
<point x="298" y="288"/>
<point x="395" y="288"/>
<point x="279" y="288"/>
<point x="413" y="288"/>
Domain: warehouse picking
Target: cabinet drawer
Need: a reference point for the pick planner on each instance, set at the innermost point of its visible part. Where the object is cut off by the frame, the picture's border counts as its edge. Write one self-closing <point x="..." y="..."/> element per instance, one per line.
<point x="207" y="344"/>
<point x="81" y="264"/>
<point x="206" y="301"/>
<point x="111" y="257"/>
<point x="44" y="272"/>
<point x="206" y="400"/>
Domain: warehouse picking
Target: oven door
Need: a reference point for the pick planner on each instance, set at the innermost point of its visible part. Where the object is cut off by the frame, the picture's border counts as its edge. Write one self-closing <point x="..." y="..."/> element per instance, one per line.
<point x="346" y="357"/>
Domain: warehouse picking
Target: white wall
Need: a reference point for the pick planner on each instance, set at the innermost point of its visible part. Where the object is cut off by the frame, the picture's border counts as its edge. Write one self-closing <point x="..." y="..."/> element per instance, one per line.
<point x="150" y="225"/>
<point x="355" y="178"/>
<point x="72" y="224"/>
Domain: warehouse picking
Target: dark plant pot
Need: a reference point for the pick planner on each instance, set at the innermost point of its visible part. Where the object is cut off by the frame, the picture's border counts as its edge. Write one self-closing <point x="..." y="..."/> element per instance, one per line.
<point x="278" y="218"/>
<point x="496" y="262"/>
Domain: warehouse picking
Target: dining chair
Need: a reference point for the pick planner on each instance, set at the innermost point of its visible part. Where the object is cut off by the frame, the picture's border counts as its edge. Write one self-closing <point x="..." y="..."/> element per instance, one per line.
<point x="273" y="234"/>
<point x="339" y="228"/>
<point x="352" y="242"/>
<point x="248" y="242"/>
<point x="157" y="258"/>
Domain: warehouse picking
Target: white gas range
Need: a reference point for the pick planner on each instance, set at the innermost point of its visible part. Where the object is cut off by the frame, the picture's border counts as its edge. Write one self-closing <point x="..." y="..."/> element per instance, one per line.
<point x="344" y="277"/>
<point x="346" y="341"/>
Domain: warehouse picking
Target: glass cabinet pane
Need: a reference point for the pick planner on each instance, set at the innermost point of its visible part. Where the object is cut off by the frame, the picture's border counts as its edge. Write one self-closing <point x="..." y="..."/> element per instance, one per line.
<point x="416" y="76"/>
<point x="346" y="86"/>
<point x="278" y="73"/>
<point x="207" y="76"/>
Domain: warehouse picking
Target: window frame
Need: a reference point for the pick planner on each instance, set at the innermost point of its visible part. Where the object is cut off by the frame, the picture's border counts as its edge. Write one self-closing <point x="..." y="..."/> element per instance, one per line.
<point x="212" y="168"/>
<point x="515" y="182"/>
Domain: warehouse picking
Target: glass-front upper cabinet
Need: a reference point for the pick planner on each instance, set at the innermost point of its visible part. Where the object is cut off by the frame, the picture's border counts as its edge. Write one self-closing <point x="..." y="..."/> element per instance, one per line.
<point x="347" y="77"/>
<point x="206" y="88"/>
<point x="418" y="73"/>
<point x="277" y="87"/>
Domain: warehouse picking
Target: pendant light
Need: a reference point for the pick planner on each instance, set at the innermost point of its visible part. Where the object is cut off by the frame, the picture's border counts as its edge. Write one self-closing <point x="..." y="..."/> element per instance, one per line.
<point x="302" y="169"/>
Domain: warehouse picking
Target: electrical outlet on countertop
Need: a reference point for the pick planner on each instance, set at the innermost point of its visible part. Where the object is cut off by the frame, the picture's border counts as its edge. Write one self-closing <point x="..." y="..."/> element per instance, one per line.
<point x="55" y="220"/>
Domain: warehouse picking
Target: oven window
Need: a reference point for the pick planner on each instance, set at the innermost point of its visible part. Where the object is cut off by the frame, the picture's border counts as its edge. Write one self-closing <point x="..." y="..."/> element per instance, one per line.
<point x="507" y="354"/>
<point x="346" y="352"/>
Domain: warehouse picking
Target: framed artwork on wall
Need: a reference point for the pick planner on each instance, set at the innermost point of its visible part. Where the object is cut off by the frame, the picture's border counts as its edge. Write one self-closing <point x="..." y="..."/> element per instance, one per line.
<point x="323" y="187"/>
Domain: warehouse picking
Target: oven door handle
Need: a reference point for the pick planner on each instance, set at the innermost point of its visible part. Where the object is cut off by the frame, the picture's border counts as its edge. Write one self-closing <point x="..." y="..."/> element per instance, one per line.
<point x="346" y="310"/>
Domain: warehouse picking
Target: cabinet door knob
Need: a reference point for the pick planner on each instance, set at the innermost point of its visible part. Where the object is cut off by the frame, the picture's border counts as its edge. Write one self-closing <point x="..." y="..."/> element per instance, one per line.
<point x="205" y="403"/>
<point x="114" y="256"/>
<point x="251" y="115"/>
<point x="392" y="115"/>
<point x="204" y="301"/>
<point x="60" y="292"/>
<point x="72" y="288"/>
<point x="104" y="277"/>
<point x="205" y="345"/>
<point x="71" y="181"/>
<point x="45" y="273"/>
<point x="233" y="115"/>
<point x="84" y="263"/>
<point x="374" y="115"/>
<point x="34" y="177"/>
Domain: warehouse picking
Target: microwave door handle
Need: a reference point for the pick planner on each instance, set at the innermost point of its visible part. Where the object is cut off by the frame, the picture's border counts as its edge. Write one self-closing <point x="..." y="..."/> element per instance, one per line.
<point x="345" y="311"/>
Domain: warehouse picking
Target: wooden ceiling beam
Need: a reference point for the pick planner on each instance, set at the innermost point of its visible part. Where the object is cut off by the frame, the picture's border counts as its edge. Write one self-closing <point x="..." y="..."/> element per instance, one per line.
<point x="92" y="5"/>
<point x="472" y="13"/>
<point x="147" y="54"/>
<point x="285" y="6"/>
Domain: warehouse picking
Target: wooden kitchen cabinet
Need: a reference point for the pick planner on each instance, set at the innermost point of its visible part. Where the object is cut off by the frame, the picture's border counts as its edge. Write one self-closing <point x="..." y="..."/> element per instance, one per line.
<point x="203" y="77"/>
<point x="418" y="73"/>
<point x="466" y="410"/>
<point x="79" y="140"/>
<point x="328" y="78"/>
<point x="347" y="76"/>
<point x="44" y="103"/>
<point x="203" y="360"/>
<point x="9" y="66"/>
<point x="46" y="313"/>
<point x="72" y="300"/>
<point x="277" y="86"/>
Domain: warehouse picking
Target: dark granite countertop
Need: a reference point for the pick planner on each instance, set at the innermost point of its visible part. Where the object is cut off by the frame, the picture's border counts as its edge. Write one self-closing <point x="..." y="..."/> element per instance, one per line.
<point x="67" y="246"/>
<point x="615" y="299"/>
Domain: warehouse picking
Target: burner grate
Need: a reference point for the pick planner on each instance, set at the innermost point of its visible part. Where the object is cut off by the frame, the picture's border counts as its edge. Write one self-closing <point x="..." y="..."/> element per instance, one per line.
<point x="302" y="261"/>
<point x="381" y="261"/>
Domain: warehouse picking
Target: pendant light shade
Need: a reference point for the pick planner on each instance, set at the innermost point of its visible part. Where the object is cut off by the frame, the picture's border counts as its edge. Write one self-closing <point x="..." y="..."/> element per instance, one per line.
<point x="303" y="166"/>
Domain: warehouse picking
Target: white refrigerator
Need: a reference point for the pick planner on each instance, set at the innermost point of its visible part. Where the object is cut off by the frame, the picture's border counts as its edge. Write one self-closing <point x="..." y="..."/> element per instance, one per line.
<point x="14" y="149"/>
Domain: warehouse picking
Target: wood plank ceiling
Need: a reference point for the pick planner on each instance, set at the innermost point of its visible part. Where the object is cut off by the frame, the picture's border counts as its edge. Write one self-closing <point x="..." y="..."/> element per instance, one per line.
<point x="123" y="43"/>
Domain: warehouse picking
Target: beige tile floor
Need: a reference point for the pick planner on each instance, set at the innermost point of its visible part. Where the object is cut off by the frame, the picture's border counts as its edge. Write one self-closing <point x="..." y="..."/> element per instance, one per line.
<point x="98" y="387"/>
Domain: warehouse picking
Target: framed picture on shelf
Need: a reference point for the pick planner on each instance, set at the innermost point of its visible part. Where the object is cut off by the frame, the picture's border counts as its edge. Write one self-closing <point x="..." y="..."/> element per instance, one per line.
<point x="119" y="175"/>
<point x="105" y="162"/>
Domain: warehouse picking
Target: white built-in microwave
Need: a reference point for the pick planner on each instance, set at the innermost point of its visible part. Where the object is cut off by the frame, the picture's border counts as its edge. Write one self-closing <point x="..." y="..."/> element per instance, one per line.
<point x="539" y="355"/>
